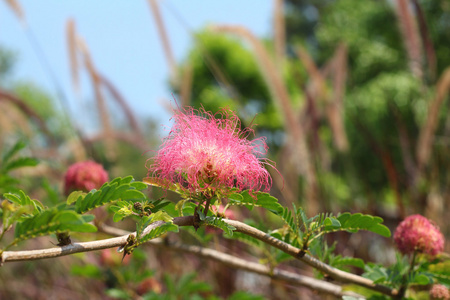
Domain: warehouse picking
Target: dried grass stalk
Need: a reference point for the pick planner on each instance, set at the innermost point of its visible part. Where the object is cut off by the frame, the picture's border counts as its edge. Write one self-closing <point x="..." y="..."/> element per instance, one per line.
<point x="132" y="120"/>
<point x="410" y="37"/>
<point x="426" y="39"/>
<point x="72" y="49"/>
<point x="120" y="136"/>
<point x="218" y="74"/>
<point x="107" y="132"/>
<point x="30" y="113"/>
<point x="405" y="146"/>
<point x="17" y="9"/>
<point x="186" y="85"/>
<point x="339" y="75"/>
<point x="96" y="83"/>
<point x="77" y="149"/>
<point x="280" y="94"/>
<point x="426" y="137"/>
<point x="164" y="38"/>
<point x="12" y="118"/>
<point x="333" y="103"/>
<point x="279" y="32"/>
<point x="335" y="109"/>
<point x="319" y="87"/>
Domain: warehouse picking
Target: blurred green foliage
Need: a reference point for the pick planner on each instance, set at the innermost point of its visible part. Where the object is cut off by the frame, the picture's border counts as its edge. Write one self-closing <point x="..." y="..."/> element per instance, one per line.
<point x="385" y="105"/>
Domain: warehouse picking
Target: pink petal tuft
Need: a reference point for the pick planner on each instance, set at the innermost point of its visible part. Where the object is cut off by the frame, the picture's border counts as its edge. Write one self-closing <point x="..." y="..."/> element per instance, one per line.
<point x="210" y="152"/>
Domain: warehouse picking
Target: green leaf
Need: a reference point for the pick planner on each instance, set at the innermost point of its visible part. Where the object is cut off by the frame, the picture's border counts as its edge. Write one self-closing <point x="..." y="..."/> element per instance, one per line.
<point x="354" y="223"/>
<point x="117" y="189"/>
<point x="219" y="223"/>
<point x="73" y="197"/>
<point x="247" y="239"/>
<point x="258" y="199"/>
<point x="377" y="274"/>
<point x="161" y="216"/>
<point x="340" y="261"/>
<point x="20" y="163"/>
<point x="89" y="271"/>
<point x="14" y="149"/>
<point x="122" y="209"/>
<point x="241" y="295"/>
<point x="50" y="221"/>
<point x="422" y="279"/>
<point x="157" y="205"/>
<point x="142" y="224"/>
<point x="117" y="293"/>
<point x="333" y="222"/>
<point x="287" y="217"/>
<point x="138" y="185"/>
<point x="12" y="214"/>
<point x="157" y="232"/>
<point x="21" y="199"/>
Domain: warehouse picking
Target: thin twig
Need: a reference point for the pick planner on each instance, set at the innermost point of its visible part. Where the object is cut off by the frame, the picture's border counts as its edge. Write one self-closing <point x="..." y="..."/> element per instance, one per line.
<point x="313" y="262"/>
<point x="337" y="274"/>
<point x="243" y="264"/>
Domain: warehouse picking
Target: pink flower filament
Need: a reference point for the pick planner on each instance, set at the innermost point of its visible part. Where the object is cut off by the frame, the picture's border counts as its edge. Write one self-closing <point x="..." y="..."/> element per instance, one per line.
<point x="205" y="153"/>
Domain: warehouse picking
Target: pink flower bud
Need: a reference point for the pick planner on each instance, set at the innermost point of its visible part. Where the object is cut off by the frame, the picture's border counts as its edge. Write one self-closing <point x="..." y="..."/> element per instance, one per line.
<point x="206" y="152"/>
<point x="417" y="233"/>
<point x="84" y="176"/>
<point x="439" y="292"/>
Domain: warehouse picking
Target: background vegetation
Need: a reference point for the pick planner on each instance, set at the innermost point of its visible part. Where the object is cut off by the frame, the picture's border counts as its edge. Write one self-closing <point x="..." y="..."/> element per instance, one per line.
<point x="353" y="99"/>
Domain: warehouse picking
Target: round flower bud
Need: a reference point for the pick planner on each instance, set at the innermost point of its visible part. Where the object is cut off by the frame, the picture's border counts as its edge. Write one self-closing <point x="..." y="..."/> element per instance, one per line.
<point x="84" y="176"/>
<point x="439" y="292"/>
<point x="417" y="233"/>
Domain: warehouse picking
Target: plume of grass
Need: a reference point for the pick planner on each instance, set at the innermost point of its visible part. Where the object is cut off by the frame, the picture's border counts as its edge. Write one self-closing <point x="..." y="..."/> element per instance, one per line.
<point x="15" y="6"/>
<point x="96" y="83"/>
<point x="120" y="136"/>
<point x="410" y="37"/>
<point x="186" y="85"/>
<point x="72" y="49"/>
<point x="279" y="32"/>
<point x="30" y="113"/>
<point x="319" y="85"/>
<point x="117" y="96"/>
<point x="332" y="101"/>
<point x="13" y="118"/>
<point x="101" y="103"/>
<point x="164" y="38"/>
<point x="426" y="136"/>
<point x="426" y="39"/>
<point x="388" y="164"/>
<point x="335" y="109"/>
<point x="280" y="94"/>
<point x="405" y="146"/>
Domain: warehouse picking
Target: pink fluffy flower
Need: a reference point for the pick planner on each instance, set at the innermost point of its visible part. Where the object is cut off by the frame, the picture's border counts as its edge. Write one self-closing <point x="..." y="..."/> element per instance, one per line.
<point x="439" y="291"/>
<point x="417" y="233"/>
<point x="84" y="176"/>
<point x="210" y="153"/>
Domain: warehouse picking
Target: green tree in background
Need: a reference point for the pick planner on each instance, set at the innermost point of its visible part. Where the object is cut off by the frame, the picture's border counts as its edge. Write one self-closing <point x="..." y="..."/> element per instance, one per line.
<point x="384" y="105"/>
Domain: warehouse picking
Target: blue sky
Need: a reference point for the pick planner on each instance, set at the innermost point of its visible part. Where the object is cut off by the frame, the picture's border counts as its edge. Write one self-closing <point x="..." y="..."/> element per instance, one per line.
<point x="123" y="42"/>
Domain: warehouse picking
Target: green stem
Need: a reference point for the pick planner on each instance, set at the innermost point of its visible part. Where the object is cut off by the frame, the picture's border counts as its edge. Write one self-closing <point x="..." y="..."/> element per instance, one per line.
<point x="405" y="283"/>
<point x="208" y="201"/>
